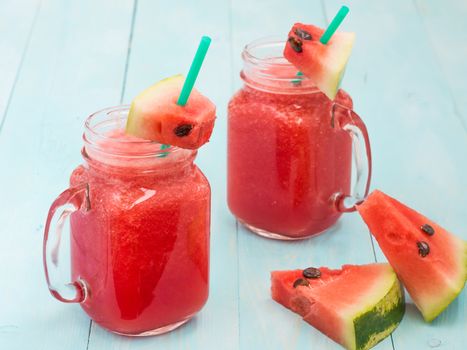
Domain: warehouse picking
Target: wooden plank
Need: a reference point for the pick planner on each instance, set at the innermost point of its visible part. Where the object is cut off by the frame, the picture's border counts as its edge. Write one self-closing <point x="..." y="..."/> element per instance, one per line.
<point x="17" y="20"/>
<point x="165" y="38"/>
<point x="444" y="22"/>
<point x="73" y="66"/>
<point x="265" y="324"/>
<point x="417" y="137"/>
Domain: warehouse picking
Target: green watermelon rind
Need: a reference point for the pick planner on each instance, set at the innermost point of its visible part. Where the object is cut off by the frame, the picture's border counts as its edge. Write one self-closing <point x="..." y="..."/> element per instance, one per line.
<point x="430" y="307"/>
<point x="449" y="297"/>
<point x="378" y="323"/>
<point x="135" y="123"/>
<point x="344" y="43"/>
<point x="366" y="322"/>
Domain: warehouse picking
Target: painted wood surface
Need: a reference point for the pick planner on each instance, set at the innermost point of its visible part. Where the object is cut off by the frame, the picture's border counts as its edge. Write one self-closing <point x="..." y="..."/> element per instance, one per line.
<point x="17" y="20"/>
<point x="64" y="60"/>
<point x="67" y="72"/>
<point x="444" y="24"/>
<point x="419" y="144"/>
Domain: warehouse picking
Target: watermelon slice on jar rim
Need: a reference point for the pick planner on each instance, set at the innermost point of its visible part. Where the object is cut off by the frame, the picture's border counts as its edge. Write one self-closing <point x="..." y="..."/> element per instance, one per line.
<point x="323" y="64"/>
<point x="155" y="115"/>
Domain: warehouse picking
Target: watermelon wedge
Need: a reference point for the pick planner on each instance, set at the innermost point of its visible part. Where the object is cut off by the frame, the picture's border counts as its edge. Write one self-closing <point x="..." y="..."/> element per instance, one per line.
<point x="154" y="115"/>
<point x="323" y="64"/>
<point x="430" y="261"/>
<point x="356" y="306"/>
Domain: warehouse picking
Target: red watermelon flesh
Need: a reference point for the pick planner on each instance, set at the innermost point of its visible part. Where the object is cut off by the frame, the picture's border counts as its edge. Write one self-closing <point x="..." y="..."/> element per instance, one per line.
<point x="154" y="115"/>
<point x="356" y="306"/>
<point x="430" y="261"/>
<point x="324" y="64"/>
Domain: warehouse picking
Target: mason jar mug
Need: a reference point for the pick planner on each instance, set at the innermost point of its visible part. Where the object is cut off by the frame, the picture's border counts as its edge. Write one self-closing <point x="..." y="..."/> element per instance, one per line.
<point x="139" y="218"/>
<point x="290" y="149"/>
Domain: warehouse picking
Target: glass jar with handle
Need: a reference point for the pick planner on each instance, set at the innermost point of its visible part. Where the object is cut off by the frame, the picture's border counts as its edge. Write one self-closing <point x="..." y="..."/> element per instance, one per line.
<point x="290" y="149"/>
<point x="139" y="219"/>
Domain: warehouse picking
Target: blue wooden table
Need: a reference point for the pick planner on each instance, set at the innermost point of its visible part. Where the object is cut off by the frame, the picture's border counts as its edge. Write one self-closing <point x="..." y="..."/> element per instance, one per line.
<point x="61" y="60"/>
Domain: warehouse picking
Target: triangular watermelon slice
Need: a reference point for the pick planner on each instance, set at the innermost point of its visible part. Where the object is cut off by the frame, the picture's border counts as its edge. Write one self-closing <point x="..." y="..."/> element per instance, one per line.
<point x="154" y="115"/>
<point x="430" y="261"/>
<point x="323" y="64"/>
<point x="356" y="306"/>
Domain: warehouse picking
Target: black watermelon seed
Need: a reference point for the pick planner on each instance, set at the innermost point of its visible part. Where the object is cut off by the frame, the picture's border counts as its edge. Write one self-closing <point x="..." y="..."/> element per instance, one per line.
<point x="423" y="248"/>
<point x="427" y="229"/>
<point x="301" y="282"/>
<point x="302" y="34"/>
<point x="296" y="44"/>
<point x="183" y="130"/>
<point x="311" y="272"/>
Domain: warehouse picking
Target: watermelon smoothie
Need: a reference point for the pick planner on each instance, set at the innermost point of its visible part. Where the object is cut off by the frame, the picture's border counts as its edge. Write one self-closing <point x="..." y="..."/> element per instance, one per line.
<point x="289" y="153"/>
<point x="141" y="248"/>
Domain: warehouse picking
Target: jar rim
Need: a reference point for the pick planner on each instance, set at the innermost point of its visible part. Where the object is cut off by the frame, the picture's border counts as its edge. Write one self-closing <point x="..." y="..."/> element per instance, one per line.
<point x="92" y="136"/>
<point x="270" y="41"/>
<point x="105" y="142"/>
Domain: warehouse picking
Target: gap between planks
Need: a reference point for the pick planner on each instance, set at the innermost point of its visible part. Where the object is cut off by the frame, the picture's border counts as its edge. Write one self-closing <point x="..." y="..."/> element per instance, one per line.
<point x="20" y="65"/>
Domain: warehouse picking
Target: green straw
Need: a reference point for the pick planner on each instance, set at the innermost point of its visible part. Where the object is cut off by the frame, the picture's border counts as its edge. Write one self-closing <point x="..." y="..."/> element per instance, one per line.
<point x="191" y="77"/>
<point x="164" y="154"/>
<point x="194" y="70"/>
<point x="297" y="81"/>
<point x="335" y="23"/>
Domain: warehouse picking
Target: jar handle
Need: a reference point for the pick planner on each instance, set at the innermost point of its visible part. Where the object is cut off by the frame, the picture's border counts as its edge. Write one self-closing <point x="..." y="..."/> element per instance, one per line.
<point x="68" y="202"/>
<point x="350" y="122"/>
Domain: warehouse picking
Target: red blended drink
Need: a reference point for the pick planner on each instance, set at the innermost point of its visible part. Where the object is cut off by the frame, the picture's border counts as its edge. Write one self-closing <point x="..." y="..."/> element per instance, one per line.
<point x="290" y="149"/>
<point x="139" y="231"/>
